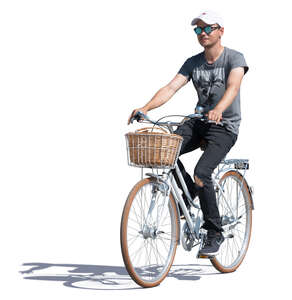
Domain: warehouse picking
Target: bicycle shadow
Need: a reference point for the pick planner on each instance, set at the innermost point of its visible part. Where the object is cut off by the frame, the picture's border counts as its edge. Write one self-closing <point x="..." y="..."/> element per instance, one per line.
<point x="104" y="277"/>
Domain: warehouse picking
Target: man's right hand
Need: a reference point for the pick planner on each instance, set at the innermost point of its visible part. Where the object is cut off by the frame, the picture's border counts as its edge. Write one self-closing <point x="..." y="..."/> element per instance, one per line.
<point x="142" y="110"/>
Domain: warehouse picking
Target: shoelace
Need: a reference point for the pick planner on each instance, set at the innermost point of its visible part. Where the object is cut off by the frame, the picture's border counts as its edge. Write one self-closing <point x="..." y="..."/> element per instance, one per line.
<point x="210" y="237"/>
<point x="208" y="241"/>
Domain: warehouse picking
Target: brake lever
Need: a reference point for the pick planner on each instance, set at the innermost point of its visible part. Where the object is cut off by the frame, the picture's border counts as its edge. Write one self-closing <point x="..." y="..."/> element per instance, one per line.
<point x="195" y="116"/>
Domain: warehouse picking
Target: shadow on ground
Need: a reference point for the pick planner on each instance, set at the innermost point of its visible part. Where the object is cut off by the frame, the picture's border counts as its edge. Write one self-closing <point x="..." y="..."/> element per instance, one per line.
<point x="104" y="277"/>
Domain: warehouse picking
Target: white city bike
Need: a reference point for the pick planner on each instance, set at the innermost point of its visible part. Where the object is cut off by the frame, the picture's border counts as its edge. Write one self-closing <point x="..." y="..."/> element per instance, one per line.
<point x="151" y="225"/>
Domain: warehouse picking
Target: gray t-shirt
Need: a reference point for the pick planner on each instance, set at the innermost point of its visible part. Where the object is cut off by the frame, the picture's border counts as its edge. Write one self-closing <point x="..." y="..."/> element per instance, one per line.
<point x="210" y="81"/>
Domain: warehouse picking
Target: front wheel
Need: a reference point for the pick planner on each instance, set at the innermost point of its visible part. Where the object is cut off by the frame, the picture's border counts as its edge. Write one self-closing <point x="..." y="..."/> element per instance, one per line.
<point x="149" y="233"/>
<point x="235" y="208"/>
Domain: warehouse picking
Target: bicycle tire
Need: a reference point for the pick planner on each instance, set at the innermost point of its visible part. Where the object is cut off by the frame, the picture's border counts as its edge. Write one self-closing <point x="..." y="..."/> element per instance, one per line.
<point x="156" y="266"/>
<point x="234" y="263"/>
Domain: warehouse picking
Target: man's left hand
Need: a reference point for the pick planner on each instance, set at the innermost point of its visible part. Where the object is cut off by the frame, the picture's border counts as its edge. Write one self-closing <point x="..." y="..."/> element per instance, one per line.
<point x="215" y="115"/>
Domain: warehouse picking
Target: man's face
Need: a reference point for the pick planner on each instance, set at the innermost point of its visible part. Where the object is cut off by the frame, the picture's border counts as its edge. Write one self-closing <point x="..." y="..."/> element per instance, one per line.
<point x="208" y="40"/>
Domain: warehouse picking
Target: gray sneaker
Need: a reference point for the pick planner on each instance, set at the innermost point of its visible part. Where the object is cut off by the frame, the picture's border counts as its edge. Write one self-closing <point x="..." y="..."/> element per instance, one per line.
<point x="212" y="243"/>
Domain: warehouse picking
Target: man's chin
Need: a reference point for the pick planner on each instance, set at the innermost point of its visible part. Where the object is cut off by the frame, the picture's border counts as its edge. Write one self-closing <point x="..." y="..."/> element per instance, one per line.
<point x="206" y="45"/>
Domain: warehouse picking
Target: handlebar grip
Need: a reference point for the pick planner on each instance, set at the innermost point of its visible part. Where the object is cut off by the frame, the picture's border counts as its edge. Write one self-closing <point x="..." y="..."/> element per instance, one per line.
<point x="138" y="116"/>
<point x="203" y="118"/>
<point x="213" y="122"/>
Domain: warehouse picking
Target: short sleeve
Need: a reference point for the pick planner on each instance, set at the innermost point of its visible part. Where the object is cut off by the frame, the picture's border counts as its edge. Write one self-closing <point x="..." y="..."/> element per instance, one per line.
<point x="237" y="60"/>
<point x="186" y="69"/>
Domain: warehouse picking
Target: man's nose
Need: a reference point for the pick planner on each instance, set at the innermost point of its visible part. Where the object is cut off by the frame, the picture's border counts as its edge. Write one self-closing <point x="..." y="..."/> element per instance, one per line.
<point x="203" y="33"/>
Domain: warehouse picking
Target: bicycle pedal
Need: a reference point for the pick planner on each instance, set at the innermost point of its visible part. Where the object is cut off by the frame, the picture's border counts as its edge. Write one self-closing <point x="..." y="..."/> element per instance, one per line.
<point x="229" y="236"/>
<point x="205" y="256"/>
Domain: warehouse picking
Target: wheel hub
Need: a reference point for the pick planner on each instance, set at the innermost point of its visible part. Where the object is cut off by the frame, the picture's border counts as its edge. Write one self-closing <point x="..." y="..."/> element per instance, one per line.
<point x="149" y="232"/>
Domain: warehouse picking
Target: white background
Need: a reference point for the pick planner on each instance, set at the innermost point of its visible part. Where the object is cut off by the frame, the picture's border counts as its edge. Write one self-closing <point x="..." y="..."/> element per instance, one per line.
<point x="71" y="73"/>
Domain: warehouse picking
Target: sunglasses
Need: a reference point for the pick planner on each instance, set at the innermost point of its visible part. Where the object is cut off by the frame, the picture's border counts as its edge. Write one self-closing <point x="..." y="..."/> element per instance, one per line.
<point x="207" y="29"/>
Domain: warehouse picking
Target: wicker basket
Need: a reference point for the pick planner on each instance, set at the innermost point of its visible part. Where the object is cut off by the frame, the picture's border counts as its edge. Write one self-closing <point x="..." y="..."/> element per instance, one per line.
<point x="153" y="149"/>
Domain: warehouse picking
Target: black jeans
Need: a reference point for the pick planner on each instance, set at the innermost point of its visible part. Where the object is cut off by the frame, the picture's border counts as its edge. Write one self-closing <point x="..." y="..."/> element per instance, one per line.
<point x="219" y="142"/>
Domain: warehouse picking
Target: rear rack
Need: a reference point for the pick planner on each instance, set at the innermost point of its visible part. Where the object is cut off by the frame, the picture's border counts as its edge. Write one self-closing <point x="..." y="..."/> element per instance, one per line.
<point x="239" y="164"/>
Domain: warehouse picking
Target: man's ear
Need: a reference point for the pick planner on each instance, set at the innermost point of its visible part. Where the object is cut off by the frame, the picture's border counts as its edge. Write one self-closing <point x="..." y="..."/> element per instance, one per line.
<point x="222" y="30"/>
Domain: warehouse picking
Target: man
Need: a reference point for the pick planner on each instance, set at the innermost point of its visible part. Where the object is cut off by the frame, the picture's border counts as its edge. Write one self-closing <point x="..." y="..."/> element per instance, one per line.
<point x="216" y="74"/>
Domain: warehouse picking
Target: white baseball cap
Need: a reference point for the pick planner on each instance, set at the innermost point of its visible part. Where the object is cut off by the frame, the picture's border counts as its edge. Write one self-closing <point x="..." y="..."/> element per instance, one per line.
<point x="209" y="17"/>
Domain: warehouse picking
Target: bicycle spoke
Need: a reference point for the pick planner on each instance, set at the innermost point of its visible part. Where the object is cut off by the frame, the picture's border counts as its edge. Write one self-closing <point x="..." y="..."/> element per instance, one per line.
<point x="135" y="221"/>
<point x="135" y="229"/>
<point x="132" y="241"/>
<point x="137" y="251"/>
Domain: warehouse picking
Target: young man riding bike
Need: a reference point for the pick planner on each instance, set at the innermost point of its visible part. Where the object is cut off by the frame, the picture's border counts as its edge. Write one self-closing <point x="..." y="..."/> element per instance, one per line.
<point x="216" y="73"/>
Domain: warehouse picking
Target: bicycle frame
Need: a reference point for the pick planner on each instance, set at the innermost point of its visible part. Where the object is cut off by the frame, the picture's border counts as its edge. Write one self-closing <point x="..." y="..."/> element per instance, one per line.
<point x="170" y="185"/>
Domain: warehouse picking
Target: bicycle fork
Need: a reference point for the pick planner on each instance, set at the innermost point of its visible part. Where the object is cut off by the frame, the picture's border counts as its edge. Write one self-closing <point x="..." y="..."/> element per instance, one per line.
<point x="150" y="229"/>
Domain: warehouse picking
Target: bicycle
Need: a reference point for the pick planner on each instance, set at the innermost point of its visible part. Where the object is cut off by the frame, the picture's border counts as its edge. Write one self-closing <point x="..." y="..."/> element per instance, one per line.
<point x="151" y="225"/>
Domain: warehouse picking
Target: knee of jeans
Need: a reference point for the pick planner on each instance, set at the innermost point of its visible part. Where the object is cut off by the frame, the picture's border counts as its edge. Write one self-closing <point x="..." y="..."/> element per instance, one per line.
<point x="198" y="181"/>
<point x="201" y="177"/>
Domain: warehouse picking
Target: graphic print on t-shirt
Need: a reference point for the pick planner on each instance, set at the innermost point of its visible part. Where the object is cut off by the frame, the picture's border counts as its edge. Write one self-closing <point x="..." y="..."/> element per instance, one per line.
<point x="209" y="84"/>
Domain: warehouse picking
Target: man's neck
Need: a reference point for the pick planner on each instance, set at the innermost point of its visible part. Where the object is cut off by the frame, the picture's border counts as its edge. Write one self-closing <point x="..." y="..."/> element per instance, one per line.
<point x="212" y="53"/>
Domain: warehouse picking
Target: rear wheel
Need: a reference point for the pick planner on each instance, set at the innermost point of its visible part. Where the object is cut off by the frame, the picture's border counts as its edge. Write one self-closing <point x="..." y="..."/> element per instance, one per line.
<point x="235" y="208"/>
<point x="149" y="233"/>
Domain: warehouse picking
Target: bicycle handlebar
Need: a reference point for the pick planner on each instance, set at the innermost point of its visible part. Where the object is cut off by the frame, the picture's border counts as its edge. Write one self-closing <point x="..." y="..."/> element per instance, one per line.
<point x="139" y="116"/>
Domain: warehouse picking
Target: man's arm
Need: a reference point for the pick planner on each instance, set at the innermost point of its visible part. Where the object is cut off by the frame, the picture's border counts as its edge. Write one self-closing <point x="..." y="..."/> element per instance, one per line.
<point x="233" y="85"/>
<point x="163" y="95"/>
